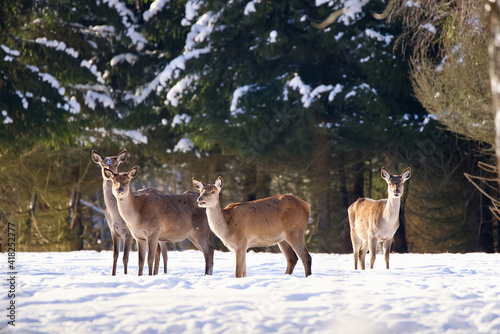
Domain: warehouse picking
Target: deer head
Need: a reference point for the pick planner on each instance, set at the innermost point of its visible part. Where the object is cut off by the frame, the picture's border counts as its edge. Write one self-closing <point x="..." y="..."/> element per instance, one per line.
<point x="110" y="163"/>
<point x="395" y="182"/>
<point x="209" y="193"/>
<point x="121" y="181"/>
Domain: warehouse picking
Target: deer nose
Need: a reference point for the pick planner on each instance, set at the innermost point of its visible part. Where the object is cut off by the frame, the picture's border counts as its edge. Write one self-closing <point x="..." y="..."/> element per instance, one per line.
<point x="120" y="190"/>
<point x="200" y="199"/>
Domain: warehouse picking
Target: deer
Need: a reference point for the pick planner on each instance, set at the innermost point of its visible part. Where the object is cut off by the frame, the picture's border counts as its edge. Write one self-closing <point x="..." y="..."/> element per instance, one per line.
<point x="376" y="221"/>
<point x="117" y="226"/>
<point x="153" y="216"/>
<point x="265" y="222"/>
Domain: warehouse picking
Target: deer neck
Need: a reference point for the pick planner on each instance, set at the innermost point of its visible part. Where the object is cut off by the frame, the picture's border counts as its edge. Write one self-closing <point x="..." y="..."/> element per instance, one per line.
<point x="109" y="198"/>
<point x="391" y="210"/>
<point x="127" y="206"/>
<point x="216" y="220"/>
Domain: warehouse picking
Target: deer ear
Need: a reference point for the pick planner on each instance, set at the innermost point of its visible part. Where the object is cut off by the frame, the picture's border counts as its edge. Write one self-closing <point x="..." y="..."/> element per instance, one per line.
<point x="406" y="174"/>
<point x="108" y="174"/>
<point x="198" y="184"/>
<point x="122" y="156"/>
<point x="96" y="157"/>
<point x="219" y="183"/>
<point x="385" y="174"/>
<point x="133" y="172"/>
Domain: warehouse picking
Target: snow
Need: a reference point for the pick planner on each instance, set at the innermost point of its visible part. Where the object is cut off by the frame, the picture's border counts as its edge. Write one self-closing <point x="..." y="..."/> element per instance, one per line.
<point x="127" y="16"/>
<point x="184" y="145"/>
<point x="154" y="9"/>
<point x="250" y="7"/>
<point x="429" y="27"/>
<point x="422" y="293"/>
<point x="7" y="119"/>
<point x="128" y="57"/>
<point x="272" y="37"/>
<point x="378" y="36"/>
<point x="179" y="119"/>
<point x="92" y="97"/>
<point x="308" y="94"/>
<point x="237" y="95"/>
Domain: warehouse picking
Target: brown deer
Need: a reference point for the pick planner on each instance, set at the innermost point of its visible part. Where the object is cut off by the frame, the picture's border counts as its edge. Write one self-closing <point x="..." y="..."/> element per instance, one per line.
<point x="373" y="221"/>
<point x="116" y="224"/>
<point x="152" y="215"/>
<point x="274" y="220"/>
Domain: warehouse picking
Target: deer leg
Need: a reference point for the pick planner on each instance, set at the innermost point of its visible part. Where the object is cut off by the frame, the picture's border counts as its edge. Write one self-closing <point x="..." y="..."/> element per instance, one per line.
<point x="372" y="245"/>
<point x="201" y="242"/>
<point x="291" y="257"/>
<point x="116" y="250"/>
<point x="362" y="254"/>
<point x="356" y="247"/>
<point x="164" y="248"/>
<point x="240" y="262"/>
<point x="152" y="248"/>
<point x="305" y="257"/>
<point x="387" y="251"/>
<point x="157" y="259"/>
<point x="127" y="245"/>
<point x="142" y="245"/>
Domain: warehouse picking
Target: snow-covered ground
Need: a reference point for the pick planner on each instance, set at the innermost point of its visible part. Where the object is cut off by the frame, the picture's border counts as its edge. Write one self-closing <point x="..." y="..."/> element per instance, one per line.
<point x="74" y="293"/>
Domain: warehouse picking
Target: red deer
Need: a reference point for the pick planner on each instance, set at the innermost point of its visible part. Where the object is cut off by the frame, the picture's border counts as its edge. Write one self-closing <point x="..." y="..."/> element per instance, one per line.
<point x="373" y="221"/>
<point x="278" y="220"/>
<point x="152" y="215"/>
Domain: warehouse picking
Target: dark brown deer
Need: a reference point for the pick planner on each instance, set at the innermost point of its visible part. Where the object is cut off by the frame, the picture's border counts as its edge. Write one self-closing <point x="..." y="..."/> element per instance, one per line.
<point x="153" y="216"/>
<point x="278" y="220"/>
<point x="373" y="221"/>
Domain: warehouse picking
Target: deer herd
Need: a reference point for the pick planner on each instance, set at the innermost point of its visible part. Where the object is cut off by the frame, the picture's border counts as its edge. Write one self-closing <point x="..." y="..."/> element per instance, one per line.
<point x="154" y="218"/>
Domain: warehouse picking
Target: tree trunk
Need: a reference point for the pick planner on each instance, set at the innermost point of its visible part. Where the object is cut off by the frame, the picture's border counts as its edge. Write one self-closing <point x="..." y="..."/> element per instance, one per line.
<point x="494" y="52"/>
<point x="75" y="235"/>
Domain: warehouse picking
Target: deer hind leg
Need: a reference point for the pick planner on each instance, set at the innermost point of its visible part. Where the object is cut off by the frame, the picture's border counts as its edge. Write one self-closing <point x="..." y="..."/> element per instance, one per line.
<point x="116" y="250"/>
<point x="127" y="246"/>
<point x="362" y="254"/>
<point x="142" y="246"/>
<point x="372" y="245"/>
<point x="164" y="248"/>
<point x="386" y="245"/>
<point x="291" y="257"/>
<point x="157" y="259"/>
<point x="200" y="240"/>
<point x="356" y="247"/>
<point x="296" y="240"/>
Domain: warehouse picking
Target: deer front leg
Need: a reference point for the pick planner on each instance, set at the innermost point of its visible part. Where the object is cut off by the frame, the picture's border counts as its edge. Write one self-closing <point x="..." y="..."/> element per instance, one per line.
<point x="127" y="246"/>
<point x="372" y="245"/>
<point x="116" y="250"/>
<point x="240" y="262"/>
<point x="142" y="246"/>
<point x="387" y="251"/>
<point x="152" y="248"/>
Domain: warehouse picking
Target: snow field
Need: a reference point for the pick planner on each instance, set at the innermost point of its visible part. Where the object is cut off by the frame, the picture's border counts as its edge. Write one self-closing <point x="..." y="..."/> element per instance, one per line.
<point x="421" y="293"/>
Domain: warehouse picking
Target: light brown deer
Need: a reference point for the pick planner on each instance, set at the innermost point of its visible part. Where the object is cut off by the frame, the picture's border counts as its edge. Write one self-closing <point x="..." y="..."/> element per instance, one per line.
<point x="373" y="221"/>
<point x="274" y="220"/>
<point x="116" y="224"/>
<point x="152" y="215"/>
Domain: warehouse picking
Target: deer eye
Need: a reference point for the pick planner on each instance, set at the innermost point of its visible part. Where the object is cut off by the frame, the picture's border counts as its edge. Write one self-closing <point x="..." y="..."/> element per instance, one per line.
<point x="213" y="192"/>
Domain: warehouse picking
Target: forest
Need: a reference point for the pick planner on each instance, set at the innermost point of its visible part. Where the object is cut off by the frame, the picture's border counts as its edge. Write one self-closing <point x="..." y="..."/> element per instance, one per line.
<point x="306" y="97"/>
